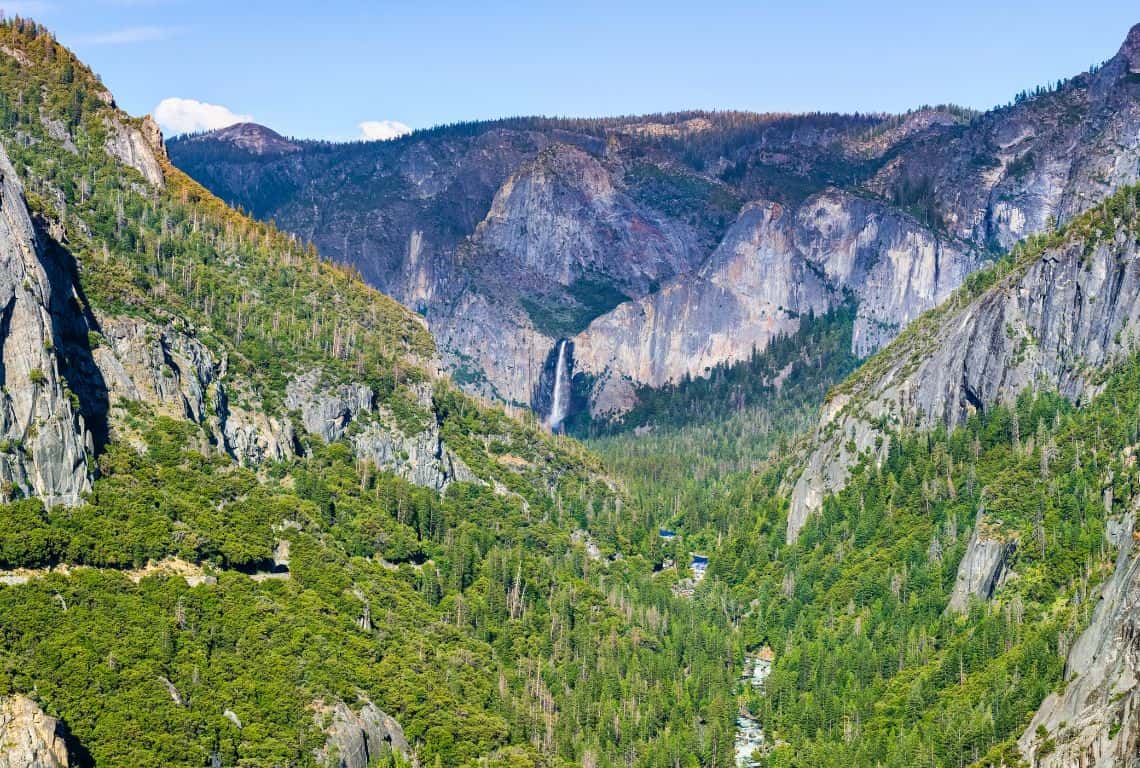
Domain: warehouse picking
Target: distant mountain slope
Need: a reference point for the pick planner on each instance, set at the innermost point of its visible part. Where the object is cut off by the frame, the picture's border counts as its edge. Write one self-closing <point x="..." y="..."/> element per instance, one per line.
<point x="965" y="588"/>
<point x="510" y="235"/>
<point x="620" y="233"/>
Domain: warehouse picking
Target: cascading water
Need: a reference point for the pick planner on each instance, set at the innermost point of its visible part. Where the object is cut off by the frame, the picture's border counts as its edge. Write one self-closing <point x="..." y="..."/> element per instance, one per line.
<point x="560" y="395"/>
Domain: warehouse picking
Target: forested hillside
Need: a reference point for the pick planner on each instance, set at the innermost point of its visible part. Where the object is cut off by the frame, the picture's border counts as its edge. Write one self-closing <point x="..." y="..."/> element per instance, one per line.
<point x="246" y="520"/>
<point x="929" y="607"/>
<point x="281" y="520"/>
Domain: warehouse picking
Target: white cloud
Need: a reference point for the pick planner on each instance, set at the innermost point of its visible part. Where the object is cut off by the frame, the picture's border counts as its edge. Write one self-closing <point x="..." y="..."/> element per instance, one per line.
<point x="128" y="35"/>
<point x="189" y="115"/>
<point x="382" y="130"/>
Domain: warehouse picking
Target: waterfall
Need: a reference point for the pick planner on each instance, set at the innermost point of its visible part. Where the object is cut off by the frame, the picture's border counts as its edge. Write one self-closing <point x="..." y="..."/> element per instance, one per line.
<point x="560" y="396"/>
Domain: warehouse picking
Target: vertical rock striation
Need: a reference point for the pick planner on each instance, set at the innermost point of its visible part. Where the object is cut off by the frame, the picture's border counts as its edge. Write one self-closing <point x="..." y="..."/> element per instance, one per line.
<point x="137" y="147"/>
<point x="45" y="445"/>
<point x="983" y="567"/>
<point x="359" y="739"/>
<point x="176" y="375"/>
<point x="1052" y="323"/>
<point x="775" y="264"/>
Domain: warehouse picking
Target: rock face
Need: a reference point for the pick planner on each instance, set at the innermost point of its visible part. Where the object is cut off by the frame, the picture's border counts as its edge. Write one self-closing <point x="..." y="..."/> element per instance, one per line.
<point x="983" y="567"/>
<point x="176" y="375"/>
<point x="1131" y="50"/>
<point x="1051" y="323"/>
<point x="164" y="367"/>
<point x="752" y="287"/>
<point x="619" y="233"/>
<point x="28" y="737"/>
<point x="562" y="241"/>
<point x="562" y="216"/>
<point x="256" y="138"/>
<point x="421" y="459"/>
<point x="1012" y="169"/>
<point x="326" y="412"/>
<point x="171" y="371"/>
<point x="773" y="265"/>
<point x="44" y="440"/>
<point x="1095" y="721"/>
<point x="137" y="148"/>
<point x="58" y="131"/>
<point x="357" y="739"/>
<point x="252" y="436"/>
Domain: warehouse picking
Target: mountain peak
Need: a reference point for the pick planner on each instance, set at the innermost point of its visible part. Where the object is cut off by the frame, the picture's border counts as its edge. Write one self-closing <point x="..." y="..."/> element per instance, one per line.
<point x="254" y="138"/>
<point x="1130" y="51"/>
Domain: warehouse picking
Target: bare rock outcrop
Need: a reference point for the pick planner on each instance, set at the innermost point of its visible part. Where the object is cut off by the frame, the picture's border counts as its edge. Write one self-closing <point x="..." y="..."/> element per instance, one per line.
<point x="563" y="216"/>
<point x="984" y="566"/>
<point x="153" y="135"/>
<point x="326" y="411"/>
<point x="15" y="53"/>
<point x="502" y="365"/>
<point x="1095" y="721"/>
<point x="562" y="239"/>
<point x="162" y="366"/>
<point x="45" y="443"/>
<point x="895" y="267"/>
<point x="137" y="148"/>
<point x="170" y="370"/>
<point x="174" y="373"/>
<point x="256" y="139"/>
<point x="421" y="459"/>
<point x="1130" y="51"/>
<point x="775" y="264"/>
<point x="59" y="132"/>
<point x="356" y="739"/>
<point x="252" y="436"/>
<point x="753" y="287"/>
<point x="28" y="737"/>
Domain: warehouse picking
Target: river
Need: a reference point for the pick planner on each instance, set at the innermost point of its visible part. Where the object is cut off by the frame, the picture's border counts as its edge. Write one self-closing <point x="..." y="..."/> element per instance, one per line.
<point x="749" y="731"/>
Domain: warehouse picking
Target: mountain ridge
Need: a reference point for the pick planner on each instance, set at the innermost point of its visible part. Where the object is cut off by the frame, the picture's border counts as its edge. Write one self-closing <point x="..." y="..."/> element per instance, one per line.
<point x="968" y="184"/>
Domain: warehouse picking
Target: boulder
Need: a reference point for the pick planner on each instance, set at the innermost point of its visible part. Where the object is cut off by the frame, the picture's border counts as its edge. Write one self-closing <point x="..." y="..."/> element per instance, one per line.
<point x="983" y="568"/>
<point x="355" y="739"/>
<point x="28" y="737"/>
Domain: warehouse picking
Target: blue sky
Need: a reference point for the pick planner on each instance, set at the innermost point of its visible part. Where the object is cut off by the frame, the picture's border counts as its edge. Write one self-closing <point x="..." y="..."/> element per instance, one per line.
<point x="322" y="69"/>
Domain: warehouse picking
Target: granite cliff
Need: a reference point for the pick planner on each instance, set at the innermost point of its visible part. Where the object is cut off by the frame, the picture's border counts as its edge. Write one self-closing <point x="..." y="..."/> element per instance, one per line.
<point x="640" y="237"/>
<point x="28" y="737"/>
<point x="1067" y="307"/>
<point x="46" y="443"/>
